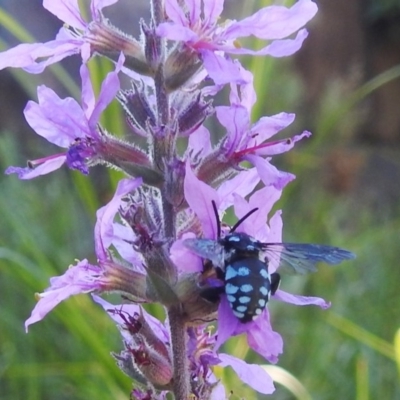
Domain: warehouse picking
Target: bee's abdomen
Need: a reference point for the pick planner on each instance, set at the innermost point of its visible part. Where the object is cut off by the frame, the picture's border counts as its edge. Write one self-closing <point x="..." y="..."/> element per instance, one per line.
<point x="247" y="287"/>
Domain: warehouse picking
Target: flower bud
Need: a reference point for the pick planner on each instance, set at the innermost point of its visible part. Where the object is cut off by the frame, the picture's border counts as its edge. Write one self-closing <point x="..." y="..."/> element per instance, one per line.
<point x="109" y="41"/>
<point x="140" y="114"/>
<point x="181" y="65"/>
<point x="152" y="48"/>
<point x="192" y="111"/>
<point x="175" y="173"/>
<point x="155" y="367"/>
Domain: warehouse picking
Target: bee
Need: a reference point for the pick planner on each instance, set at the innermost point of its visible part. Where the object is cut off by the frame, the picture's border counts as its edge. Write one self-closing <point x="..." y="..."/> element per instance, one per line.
<point x="241" y="264"/>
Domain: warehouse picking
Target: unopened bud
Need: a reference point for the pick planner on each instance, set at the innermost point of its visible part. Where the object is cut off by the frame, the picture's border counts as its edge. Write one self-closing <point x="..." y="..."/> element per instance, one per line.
<point x="181" y="65"/>
<point x="118" y="278"/>
<point x="109" y="41"/>
<point x="175" y="174"/>
<point x="140" y="114"/>
<point x="152" y="48"/>
<point x="192" y="113"/>
<point x="215" y="168"/>
<point x="155" y="367"/>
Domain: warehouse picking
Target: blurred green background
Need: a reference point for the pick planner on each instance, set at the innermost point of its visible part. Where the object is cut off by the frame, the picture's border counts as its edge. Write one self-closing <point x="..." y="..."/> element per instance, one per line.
<point x="344" y="87"/>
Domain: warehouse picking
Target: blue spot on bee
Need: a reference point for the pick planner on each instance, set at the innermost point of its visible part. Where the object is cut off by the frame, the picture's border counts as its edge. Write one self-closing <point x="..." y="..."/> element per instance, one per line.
<point x="246" y="288"/>
<point x="244" y="299"/>
<point x="231" y="289"/>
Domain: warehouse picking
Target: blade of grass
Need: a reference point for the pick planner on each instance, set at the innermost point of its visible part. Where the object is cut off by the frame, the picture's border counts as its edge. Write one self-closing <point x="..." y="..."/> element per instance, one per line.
<point x="362" y="378"/>
<point x="361" y="335"/>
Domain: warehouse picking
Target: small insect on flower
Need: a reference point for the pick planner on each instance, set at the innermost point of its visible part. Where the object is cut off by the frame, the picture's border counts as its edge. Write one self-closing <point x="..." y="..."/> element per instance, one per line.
<point x="241" y="263"/>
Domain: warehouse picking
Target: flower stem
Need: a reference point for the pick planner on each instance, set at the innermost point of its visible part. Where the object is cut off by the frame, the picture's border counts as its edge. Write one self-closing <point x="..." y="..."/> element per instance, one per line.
<point x="157" y="10"/>
<point x="181" y="386"/>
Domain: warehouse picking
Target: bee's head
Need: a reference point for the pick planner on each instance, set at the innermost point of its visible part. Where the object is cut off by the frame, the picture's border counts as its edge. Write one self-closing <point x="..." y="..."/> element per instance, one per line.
<point x="240" y="242"/>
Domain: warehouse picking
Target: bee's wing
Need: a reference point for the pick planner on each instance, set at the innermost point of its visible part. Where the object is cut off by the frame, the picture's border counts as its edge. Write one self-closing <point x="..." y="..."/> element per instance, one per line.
<point x="302" y="258"/>
<point x="208" y="249"/>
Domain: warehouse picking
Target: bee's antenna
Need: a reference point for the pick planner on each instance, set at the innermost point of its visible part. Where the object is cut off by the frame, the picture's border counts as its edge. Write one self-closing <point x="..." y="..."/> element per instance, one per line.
<point x="217" y="218"/>
<point x="234" y="227"/>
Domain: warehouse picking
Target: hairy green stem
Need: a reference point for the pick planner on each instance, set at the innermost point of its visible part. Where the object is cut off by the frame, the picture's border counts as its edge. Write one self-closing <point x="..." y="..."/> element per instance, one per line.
<point x="181" y="385"/>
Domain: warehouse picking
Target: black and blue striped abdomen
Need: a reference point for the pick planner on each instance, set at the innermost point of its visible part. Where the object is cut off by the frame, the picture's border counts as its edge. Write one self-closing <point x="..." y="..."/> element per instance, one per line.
<point x="247" y="287"/>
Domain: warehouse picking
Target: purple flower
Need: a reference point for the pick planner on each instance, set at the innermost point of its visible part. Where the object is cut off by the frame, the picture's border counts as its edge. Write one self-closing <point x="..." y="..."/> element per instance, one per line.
<point x="200" y="353"/>
<point x="199" y="30"/>
<point x="67" y="124"/>
<point x="199" y="196"/>
<point x="70" y="40"/>
<point x="109" y="232"/>
<point x="243" y="142"/>
<point x="81" y="278"/>
<point x="248" y="142"/>
<point x="85" y="277"/>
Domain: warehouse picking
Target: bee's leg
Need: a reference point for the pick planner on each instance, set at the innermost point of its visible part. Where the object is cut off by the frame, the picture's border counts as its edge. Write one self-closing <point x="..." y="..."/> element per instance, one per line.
<point x="220" y="273"/>
<point x="212" y="294"/>
<point x="275" y="282"/>
<point x="207" y="266"/>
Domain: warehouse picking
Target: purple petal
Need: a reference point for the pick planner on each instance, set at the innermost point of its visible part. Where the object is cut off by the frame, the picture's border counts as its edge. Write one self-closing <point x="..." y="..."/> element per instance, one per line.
<point x="25" y="55"/>
<point x="67" y="11"/>
<point x="81" y="278"/>
<point x="108" y="91"/>
<point x="251" y="374"/>
<point x="97" y="5"/>
<point x="122" y="238"/>
<point x="242" y="184"/>
<point x="88" y="98"/>
<point x="281" y="146"/>
<point x="264" y="199"/>
<point x="301" y="300"/>
<point x="222" y="69"/>
<point x="176" y="32"/>
<point x="275" y="22"/>
<point x="275" y="228"/>
<point x="175" y="12"/>
<point x="264" y="340"/>
<point x="278" y="48"/>
<point x="228" y="324"/>
<point x="50" y="165"/>
<point x="185" y="260"/>
<point x="281" y="48"/>
<point x="53" y="52"/>
<point x="236" y="121"/>
<point x="105" y="216"/>
<point x="212" y="10"/>
<point x="243" y="94"/>
<point x="269" y="174"/>
<point x="20" y="56"/>
<point x="274" y="235"/>
<point x="199" y="197"/>
<point x="266" y="127"/>
<point x="157" y="327"/>
<point x="194" y="10"/>
<point x="199" y="142"/>
<point x="60" y="121"/>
